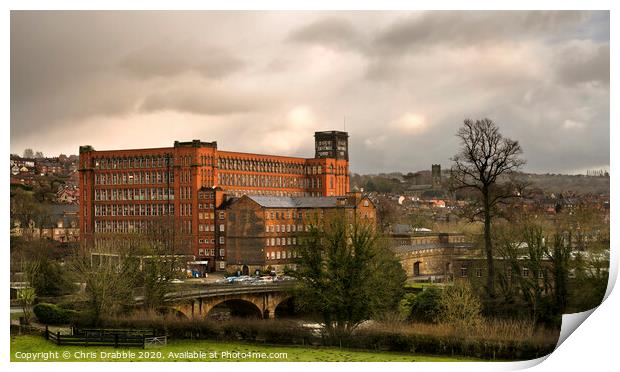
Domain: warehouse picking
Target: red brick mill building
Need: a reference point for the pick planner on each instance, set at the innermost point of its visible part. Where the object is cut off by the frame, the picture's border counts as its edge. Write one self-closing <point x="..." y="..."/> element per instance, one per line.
<point x="127" y="191"/>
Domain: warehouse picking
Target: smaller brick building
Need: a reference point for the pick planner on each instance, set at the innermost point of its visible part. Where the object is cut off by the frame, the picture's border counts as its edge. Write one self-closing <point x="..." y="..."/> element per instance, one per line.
<point x="262" y="232"/>
<point x="426" y="254"/>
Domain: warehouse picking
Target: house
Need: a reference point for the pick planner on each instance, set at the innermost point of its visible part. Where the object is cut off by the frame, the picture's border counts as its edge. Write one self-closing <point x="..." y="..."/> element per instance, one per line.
<point x="45" y="167"/>
<point x="62" y="226"/>
<point x="67" y="195"/>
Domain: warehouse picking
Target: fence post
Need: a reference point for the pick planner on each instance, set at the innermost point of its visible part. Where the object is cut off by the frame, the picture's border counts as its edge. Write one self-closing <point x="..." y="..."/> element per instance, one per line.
<point x="58" y="338"/>
<point x="116" y="340"/>
<point x="47" y="333"/>
<point x="86" y="339"/>
<point x="143" y="341"/>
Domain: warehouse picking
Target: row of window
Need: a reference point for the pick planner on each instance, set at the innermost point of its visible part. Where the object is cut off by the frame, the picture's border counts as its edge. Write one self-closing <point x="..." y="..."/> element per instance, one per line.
<point x="185" y="176"/>
<point x="205" y="195"/>
<point x="210" y="252"/>
<point x="206" y="176"/>
<point x="286" y="228"/>
<point x="265" y="166"/>
<point x="241" y="192"/>
<point x="276" y="215"/>
<point x="206" y="228"/>
<point x="251" y="180"/>
<point x="281" y="255"/>
<point x="152" y="193"/>
<point x="274" y="242"/>
<point x="211" y="241"/>
<point x="185" y="193"/>
<point x="134" y="209"/>
<point x="210" y="215"/>
<point x="123" y="226"/>
<point x="157" y="161"/>
<point x="205" y="216"/>
<point x="525" y="272"/>
<point x="130" y="178"/>
<point x="186" y="227"/>
<point x="185" y="209"/>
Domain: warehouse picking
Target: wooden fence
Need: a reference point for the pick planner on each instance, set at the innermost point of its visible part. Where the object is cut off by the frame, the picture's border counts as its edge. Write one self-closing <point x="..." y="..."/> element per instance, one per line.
<point x="103" y="337"/>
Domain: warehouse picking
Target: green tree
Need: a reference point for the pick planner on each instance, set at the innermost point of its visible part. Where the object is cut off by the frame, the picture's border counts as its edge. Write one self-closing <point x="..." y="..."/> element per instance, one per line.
<point x="347" y="276"/>
<point x="48" y="277"/>
<point x="484" y="157"/>
<point x="425" y="305"/>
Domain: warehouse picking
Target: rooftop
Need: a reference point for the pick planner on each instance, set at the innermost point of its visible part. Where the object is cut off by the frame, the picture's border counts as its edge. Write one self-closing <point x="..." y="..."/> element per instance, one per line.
<point x="295" y="202"/>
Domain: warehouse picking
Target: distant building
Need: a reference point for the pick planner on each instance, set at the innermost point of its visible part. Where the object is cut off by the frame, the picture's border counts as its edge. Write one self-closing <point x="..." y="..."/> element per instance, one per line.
<point x="436" y="175"/>
<point x="67" y="195"/>
<point x="23" y="179"/>
<point x="62" y="226"/>
<point x="425" y="254"/>
<point x="264" y="231"/>
<point x="46" y="167"/>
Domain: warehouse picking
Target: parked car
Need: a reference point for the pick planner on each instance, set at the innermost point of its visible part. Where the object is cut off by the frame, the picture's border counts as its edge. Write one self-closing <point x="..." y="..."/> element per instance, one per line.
<point x="262" y="280"/>
<point x="227" y="280"/>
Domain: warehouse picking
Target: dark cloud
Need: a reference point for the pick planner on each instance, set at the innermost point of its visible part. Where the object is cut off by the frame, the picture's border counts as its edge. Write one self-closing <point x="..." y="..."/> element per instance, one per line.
<point x="205" y="101"/>
<point x="331" y="31"/>
<point x="254" y="81"/>
<point x="163" y="60"/>
<point x="472" y="28"/>
<point x="584" y="64"/>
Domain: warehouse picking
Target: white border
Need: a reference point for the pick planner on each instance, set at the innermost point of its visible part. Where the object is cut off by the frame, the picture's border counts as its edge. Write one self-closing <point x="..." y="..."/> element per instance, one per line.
<point x="591" y="347"/>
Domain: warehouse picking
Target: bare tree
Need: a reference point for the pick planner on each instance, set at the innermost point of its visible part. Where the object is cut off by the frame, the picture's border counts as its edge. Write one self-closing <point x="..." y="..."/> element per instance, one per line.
<point x="485" y="156"/>
<point x="28" y="154"/>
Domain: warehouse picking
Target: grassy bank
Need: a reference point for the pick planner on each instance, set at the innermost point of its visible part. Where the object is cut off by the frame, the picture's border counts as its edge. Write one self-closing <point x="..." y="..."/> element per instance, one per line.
<point x="189" y="350"/>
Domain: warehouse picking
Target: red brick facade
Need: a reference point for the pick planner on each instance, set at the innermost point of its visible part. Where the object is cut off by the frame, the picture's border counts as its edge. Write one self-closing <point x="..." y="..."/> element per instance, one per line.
<point x="264" y="232"/>
<point x="123" y="191"/>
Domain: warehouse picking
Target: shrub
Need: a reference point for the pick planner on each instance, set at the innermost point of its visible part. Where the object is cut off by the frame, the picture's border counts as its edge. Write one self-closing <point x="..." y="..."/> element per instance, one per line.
<point x="425" y="305"/>
<point x="459" y="307"/>
<point x="52" y="314"/>
<point x="448" y="345"/>
<point x="491" y="339"/>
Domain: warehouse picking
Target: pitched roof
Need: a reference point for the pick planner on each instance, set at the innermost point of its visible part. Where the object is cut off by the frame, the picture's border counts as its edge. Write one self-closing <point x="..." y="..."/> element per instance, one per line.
<point x="295" y="202"/>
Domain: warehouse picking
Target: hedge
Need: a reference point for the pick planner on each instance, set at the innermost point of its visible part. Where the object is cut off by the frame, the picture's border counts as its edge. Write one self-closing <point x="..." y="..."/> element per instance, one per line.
<point x="48" y="313"/>
<point x="291" y="333"/>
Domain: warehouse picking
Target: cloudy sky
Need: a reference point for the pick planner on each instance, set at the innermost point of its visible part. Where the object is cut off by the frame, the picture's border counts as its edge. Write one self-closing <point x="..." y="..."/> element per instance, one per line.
<point x="265" y="81"/>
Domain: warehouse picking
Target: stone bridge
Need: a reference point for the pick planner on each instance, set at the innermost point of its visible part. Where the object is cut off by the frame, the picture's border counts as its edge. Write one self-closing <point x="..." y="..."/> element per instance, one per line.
<point x="261" y="299"/>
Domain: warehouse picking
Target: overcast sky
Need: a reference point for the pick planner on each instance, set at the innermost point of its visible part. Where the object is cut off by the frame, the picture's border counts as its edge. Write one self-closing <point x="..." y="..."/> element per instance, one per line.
<point x="265" y="81"/>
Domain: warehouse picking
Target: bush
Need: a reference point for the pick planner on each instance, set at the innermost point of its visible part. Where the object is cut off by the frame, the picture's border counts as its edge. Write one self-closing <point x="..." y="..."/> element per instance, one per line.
<point x="491" y="340"/>
<point x="448" y="345"/>
<point x="425" y="305"/>
<point x="52" y="314"/>
<point x="459" y="307"/>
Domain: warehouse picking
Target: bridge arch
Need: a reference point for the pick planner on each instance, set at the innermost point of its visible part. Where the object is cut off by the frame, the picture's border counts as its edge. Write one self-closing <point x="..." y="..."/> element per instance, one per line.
<point x="245" y="301"/>
<point x="235" y="307"/>
<point x="284" y="307"/>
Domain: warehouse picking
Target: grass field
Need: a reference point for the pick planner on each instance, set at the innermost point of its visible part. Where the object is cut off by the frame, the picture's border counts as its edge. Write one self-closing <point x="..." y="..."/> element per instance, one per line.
<point x="35" y="348"/>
